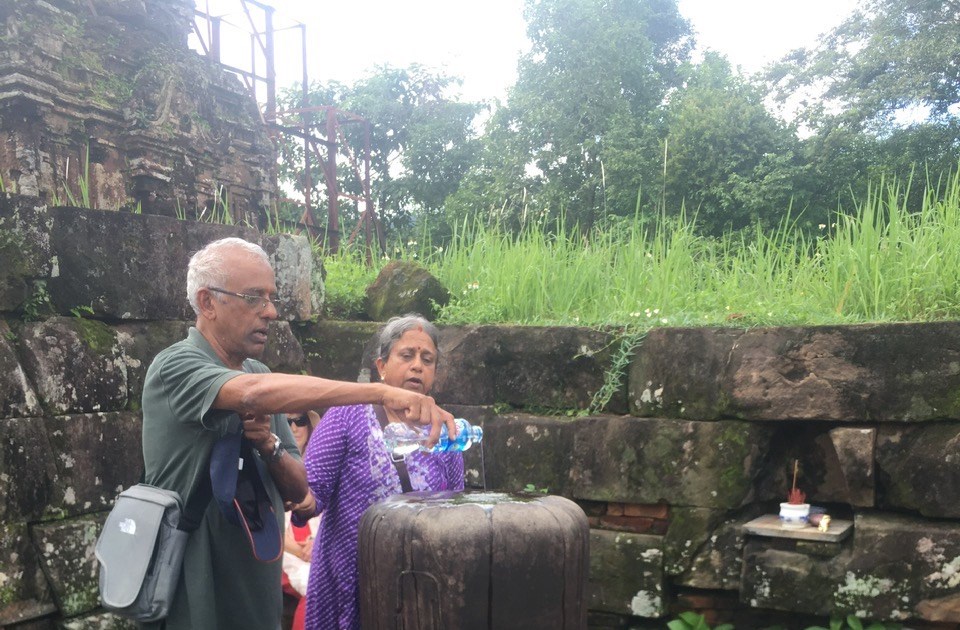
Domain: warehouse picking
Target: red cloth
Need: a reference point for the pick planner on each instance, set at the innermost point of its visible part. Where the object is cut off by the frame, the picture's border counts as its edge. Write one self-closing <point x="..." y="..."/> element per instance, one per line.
<point x="285" y="586"/>
<point x="300" y="534"/>
<point x="299" y="614"/>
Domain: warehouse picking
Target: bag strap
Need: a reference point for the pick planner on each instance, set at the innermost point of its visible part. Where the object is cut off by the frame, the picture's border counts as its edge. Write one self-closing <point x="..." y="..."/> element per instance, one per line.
<point x="192" y="513"/>
<point x="399" y="464"/>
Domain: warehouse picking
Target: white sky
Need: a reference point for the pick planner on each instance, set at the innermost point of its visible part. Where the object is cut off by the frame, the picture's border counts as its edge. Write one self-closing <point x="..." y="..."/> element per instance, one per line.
<point x="481" y="41"/>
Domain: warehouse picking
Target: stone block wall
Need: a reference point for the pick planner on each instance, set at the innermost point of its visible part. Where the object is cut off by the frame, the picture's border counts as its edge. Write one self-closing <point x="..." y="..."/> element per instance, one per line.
<point x="700" y="440"/>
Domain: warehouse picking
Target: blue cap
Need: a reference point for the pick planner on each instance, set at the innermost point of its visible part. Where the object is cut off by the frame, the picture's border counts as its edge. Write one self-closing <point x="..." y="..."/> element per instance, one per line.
<point x="242" y="497"/>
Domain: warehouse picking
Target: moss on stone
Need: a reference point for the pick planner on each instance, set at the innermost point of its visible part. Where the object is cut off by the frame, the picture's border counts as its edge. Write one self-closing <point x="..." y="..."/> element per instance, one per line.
<point x="11" y="249"/>
<point x="8" y="595"/>
<point x="95" y="335"/>
<point x="734" y="447"/>
<point x="689" y="528"/>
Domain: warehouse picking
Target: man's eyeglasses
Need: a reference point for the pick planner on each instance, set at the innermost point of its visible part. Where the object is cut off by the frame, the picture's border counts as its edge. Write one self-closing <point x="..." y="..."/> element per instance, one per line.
<point x="301" y="421"/>
<point x="256" y="302"/>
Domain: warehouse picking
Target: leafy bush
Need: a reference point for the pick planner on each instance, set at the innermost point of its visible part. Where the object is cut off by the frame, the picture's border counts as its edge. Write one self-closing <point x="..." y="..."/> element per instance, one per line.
<point x="347" y="279"/>
<point x="693" y="621"/>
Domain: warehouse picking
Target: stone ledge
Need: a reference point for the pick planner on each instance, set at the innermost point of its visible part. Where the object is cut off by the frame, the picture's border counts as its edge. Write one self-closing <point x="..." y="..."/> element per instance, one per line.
<point x="769" y="525"/>
<point x="867" y="373"/>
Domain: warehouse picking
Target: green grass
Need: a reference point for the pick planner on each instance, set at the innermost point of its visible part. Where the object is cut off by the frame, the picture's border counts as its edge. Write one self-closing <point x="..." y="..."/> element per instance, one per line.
<point x="346" y="284"/>
<point x="83" y="183"/>
<point x="878" y="263"/>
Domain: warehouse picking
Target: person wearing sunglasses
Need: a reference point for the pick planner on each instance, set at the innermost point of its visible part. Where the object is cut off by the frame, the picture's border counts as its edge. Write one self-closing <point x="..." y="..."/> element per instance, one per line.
<point x="211" y="385"/>
<point x="349" y="469"/>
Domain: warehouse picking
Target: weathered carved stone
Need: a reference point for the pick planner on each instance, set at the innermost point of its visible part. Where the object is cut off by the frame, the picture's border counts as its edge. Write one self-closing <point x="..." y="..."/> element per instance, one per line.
<point x="120" y="251"/>
<point x="898" y="568"/>
<point x="888" y="372"/>
<point x="676" y="372"/>
<point x="24" y="248"/>
<point x="689" y="530"/>
<point x="404" y="287"/>
<point x="336" y="349"/>
<point x="940" y="608"/>
<point x="75" y="364"/>
<point x="283" y="353"/>
<point x="475" y="458"/>
<point x="718" y="562"/>
<point x="97" y="456"/>
<point x="116" y="99"/>
<point x="626" y="574"/>
<point x="774" y="576"/>
<point x="132" y="266"/>
<point x="900" y="563"/>
<point x="918" y="468"/>
<point x="17" y="397"/>
<point x="24" y="593"/>
<point x="558" y="368"/>
<point x="856" y="450"/>
<point x="292" y="260"/>
<point x="701" y="464"/>
<point x="521" y="451"/>
<point x="27" y="470"/>
<point x="67" y="553"/>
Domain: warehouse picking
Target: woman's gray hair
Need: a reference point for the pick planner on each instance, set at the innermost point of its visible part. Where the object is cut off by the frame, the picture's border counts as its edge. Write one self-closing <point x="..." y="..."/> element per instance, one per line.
<point x="396" y="326"/>
<point x="206" y="268"/>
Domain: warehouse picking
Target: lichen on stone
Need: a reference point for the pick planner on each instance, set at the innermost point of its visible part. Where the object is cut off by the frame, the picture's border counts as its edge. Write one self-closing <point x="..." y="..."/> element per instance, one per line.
<point x="871" y="596"/>
<point x="646" y="604"/>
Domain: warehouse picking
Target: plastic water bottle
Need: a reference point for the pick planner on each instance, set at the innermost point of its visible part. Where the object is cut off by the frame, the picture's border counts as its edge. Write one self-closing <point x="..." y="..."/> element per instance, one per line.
<point x="402" y="439"/>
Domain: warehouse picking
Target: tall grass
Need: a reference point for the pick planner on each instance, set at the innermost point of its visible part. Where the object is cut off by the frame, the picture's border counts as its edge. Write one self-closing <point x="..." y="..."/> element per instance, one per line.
<point x="879" y="262"/>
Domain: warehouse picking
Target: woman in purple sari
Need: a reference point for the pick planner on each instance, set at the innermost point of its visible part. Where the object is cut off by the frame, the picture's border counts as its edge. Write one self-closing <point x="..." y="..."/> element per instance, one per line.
<point x="349" y="469"/>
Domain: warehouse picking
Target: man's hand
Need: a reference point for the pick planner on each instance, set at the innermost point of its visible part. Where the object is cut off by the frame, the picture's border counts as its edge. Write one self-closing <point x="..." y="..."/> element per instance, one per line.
<point x="414" y="407"/>
<point x="256" y="428"/>
<point x="306" y="509"/>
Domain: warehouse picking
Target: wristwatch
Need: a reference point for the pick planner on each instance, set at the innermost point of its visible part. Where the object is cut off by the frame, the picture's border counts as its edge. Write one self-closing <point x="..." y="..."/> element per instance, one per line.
<point x="277" y="453"/>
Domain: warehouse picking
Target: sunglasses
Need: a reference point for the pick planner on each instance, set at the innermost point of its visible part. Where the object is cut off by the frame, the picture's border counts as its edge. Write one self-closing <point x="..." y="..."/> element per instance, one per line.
<point x="301" y="421"/>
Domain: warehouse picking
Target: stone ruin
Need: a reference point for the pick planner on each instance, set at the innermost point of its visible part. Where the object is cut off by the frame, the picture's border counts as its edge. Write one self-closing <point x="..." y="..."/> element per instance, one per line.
<point x="695" y="443"/>
<point x="104" y="95"/>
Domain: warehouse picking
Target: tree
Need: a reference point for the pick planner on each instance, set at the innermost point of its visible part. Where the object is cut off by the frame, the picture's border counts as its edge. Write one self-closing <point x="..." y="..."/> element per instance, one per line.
<point x="888" y="56"/>
<point x="422" y="139"/>
<point x="881" y="94"/>
<point x="591" y="85"/>
<point x="727" y="158"/>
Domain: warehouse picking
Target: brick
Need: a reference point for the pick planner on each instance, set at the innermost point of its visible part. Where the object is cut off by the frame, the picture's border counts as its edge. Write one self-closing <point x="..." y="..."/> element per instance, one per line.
<point x="637" y="524"/>
<point x="650" y="510"/>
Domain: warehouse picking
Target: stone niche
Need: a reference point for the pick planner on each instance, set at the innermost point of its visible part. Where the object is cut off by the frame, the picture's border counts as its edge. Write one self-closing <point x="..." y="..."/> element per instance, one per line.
<point x="103" y="105"/>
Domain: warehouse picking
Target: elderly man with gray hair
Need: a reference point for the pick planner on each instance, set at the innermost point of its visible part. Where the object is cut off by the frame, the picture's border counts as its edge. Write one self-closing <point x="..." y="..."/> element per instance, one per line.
<point x="211" y="384"/>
